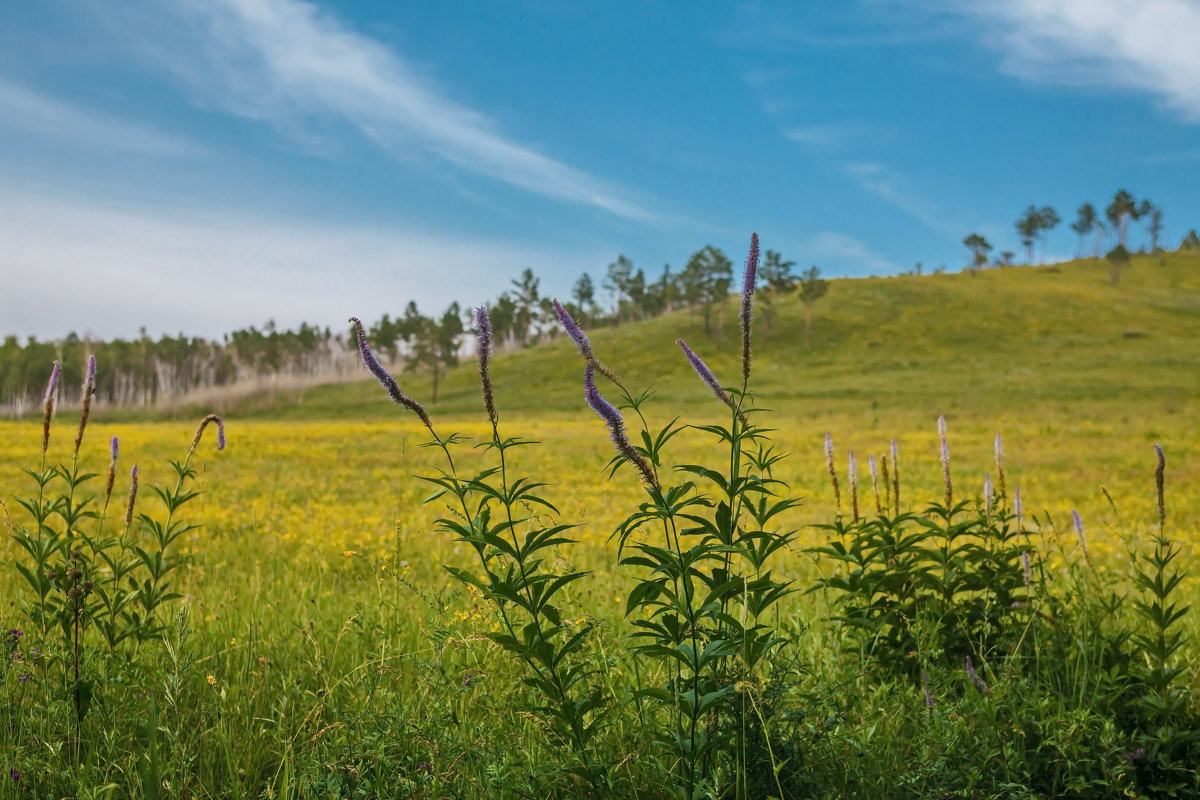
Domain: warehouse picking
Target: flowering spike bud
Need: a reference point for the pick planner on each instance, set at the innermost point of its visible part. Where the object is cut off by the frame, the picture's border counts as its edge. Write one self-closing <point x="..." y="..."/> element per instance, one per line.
<point x="706" y="374"/>
<point x="837" y="494"/>
<point x="200" y="432"/>
<point x="749" y="280"/>
<point x="48" y="403"/>
<point x="853" y="470"/>
<point x="616" y="426"/>
<point x="384" y="377"/>
<point x="1083" y="545"/>
<point x="875" y="484"/>
<point x="1027" y="570"/>
<point x="987" y="495"/>
<point x="581" y="341"/>
<point x="1018" y="507"/>
<point x="85" y="401"/>
<point x="1000" y="478"/>
<point x="925" y="689"/>
<point x="945" y="458"/>
<point x="896" y="475"/>
<point x="133" y="490"/>
<point x="574" y="331"/>
<point x="887" y="483"/>
<point x="483" y="354"/>
<point x="1159" y="482"/>
<point x="983" y="687"/>
<point x="114" y="452"/>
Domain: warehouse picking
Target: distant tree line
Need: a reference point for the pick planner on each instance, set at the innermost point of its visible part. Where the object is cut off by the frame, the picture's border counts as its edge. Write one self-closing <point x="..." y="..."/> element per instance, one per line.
<point x="1035" y="224"/>
<point x="147" y="372"/>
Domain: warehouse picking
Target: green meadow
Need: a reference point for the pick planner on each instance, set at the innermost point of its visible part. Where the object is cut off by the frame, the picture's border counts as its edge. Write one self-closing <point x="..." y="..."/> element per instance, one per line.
<point x="318" y="648"/>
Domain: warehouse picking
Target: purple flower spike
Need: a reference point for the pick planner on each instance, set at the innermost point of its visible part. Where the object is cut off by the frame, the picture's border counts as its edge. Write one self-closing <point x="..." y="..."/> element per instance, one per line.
<point x="384" y="377"/>
<point x="483" y="354"/>
<point x="706" y="374"/>
<point x="604" y="409"/>
<point x="749" y="279"/>
<point x="616" y="425"/>
<point x="574" y="331"/>
<point x="925" y="689"/>
<point x="1078" y="520"/>
<point x="1028" y="570"/>
<point x="1159" y="482"/>
<point x="204" y="424"/>
<point x="983" y="687"/>
<point x="52" y="384"/>
<point x="750" y="275"/>
<point x="89" y="378"/>
<point x="829" y="466"/>
<point x="133" y="490"/>
<point x="114" y="451"/>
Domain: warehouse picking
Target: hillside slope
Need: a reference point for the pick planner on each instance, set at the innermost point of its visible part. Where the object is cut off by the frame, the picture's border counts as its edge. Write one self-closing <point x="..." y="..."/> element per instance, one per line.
<point x="1021" y="336"/>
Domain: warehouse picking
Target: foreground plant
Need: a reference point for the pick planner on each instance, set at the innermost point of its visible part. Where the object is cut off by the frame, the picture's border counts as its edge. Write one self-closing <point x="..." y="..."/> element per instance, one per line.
<point x="494" y="512"/>
<point x="83" y="576"/>
<point x="702" y="549"/>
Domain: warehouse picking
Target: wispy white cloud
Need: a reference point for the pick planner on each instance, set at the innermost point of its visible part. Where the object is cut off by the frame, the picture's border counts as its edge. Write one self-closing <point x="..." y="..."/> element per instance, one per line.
<point x="31" y="112"/>
<point x="838" y="135"/>
<point x="289" y="64"/>
<point x="70" y="264"/>
<point x="846" y="249"/>
<point x="884" y="182"/>
<point x="1148" y="46"/>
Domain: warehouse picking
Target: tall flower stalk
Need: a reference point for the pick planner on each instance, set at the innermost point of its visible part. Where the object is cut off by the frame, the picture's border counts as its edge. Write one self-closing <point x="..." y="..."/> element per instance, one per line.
<point x="513" y="575"/>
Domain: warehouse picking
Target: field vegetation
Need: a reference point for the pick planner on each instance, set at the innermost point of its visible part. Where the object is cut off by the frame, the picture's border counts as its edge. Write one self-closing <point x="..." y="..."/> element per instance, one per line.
<point x="946" y="643"/>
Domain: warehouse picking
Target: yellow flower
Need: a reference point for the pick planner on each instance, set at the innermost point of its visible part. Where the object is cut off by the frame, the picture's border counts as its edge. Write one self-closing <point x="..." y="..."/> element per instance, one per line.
<point x="212" y="681"/>
<point x="349" y="553"/>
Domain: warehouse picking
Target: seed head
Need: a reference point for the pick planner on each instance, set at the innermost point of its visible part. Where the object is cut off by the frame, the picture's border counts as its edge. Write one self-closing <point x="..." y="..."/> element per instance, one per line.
<point x="384" y="377"/>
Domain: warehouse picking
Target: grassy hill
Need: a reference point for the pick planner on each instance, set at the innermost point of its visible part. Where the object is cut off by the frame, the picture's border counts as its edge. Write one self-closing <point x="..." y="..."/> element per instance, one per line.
<point x="1018" y="337"/>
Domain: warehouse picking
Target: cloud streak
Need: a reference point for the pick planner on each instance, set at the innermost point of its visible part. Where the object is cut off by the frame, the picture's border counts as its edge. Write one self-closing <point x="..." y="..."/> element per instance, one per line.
<point x="884" y="183"/>
<point x="27" y="111"/>
<point x="1149" y="46"/>
<point x="210" y="272"/>
<point x="287" y="63"/>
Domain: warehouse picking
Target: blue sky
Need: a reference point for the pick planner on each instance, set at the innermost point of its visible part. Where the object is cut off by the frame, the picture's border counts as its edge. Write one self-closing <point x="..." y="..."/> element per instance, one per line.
<point x="201" y="165"/>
